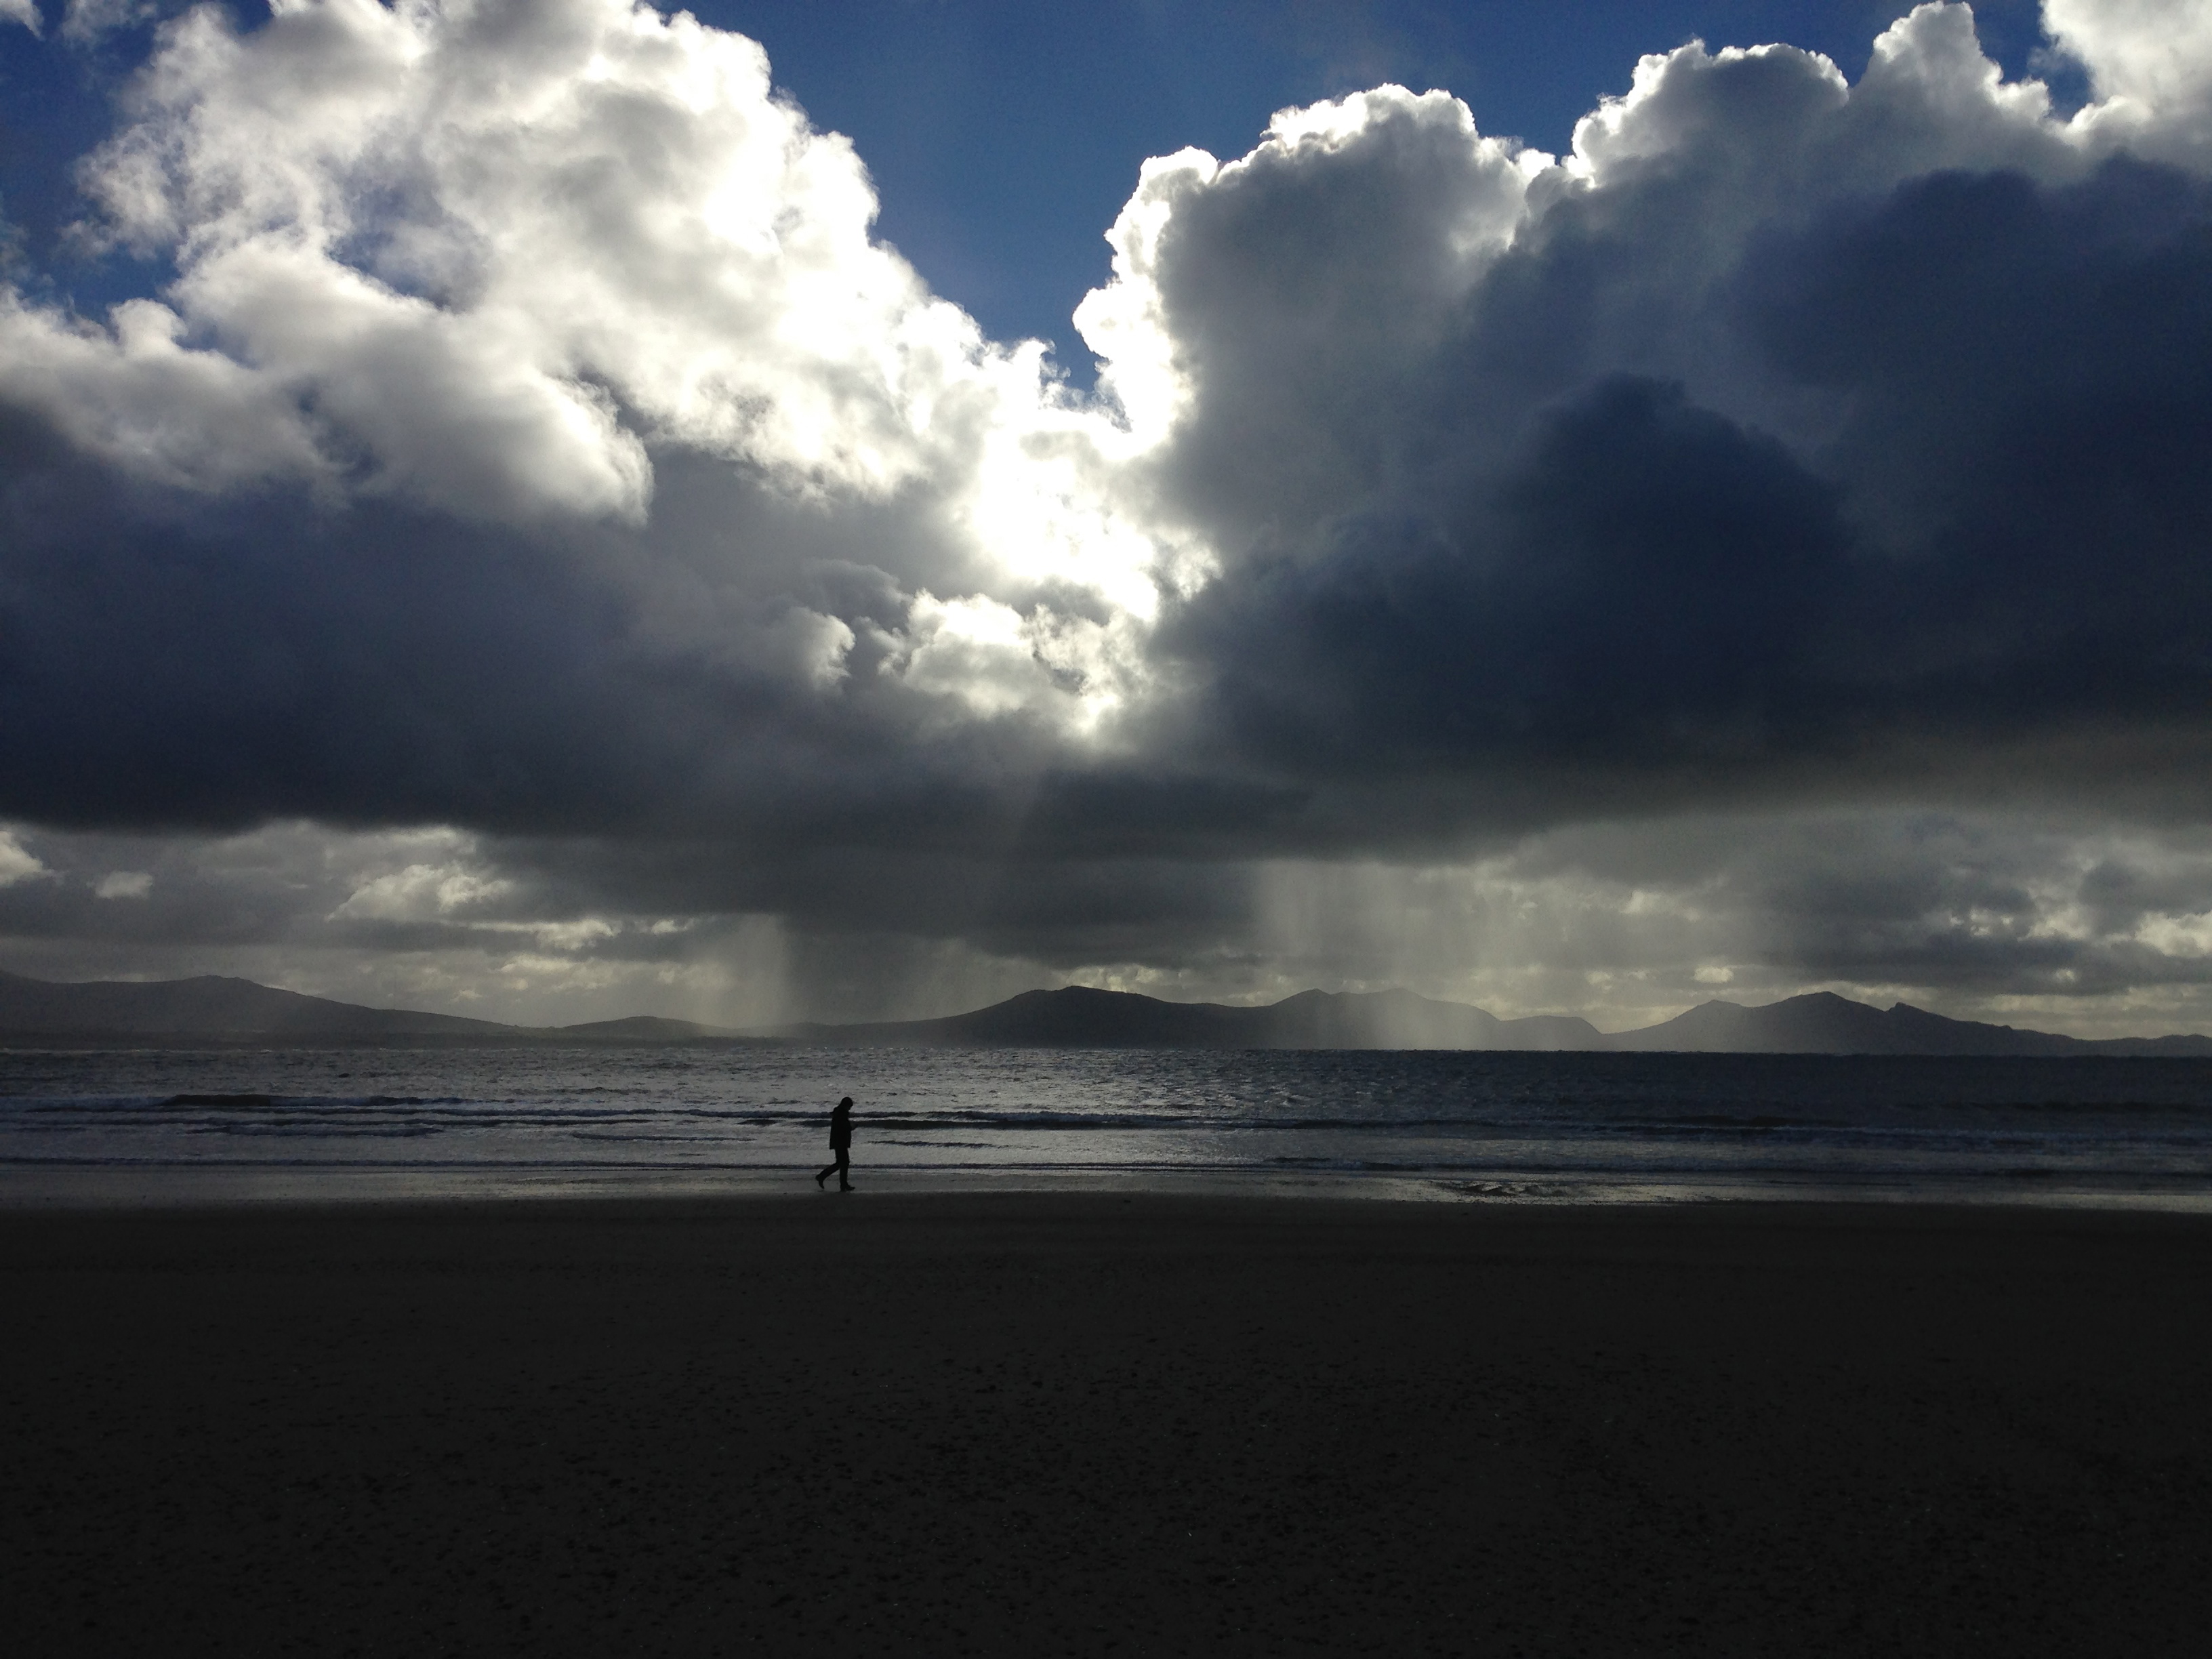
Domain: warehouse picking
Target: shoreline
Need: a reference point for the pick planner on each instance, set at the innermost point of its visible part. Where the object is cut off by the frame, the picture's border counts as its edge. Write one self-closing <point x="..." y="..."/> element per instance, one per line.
<point x="32" y="1187"/>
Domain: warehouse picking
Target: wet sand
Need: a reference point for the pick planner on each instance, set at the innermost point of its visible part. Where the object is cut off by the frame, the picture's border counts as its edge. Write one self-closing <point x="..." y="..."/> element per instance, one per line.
<point x="1088" y="1424"/>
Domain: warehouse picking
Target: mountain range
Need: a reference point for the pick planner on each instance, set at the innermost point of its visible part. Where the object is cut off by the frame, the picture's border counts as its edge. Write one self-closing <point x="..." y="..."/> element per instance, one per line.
<point x="210" y="1009"/>
<point x="1819" y="1022"/>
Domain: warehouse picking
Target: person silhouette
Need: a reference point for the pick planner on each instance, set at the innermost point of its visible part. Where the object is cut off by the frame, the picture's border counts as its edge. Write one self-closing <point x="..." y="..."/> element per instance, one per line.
<point x="840" y="1143"/>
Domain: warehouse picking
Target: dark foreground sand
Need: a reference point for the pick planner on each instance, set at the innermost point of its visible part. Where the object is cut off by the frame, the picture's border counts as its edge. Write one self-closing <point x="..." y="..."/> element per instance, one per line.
<point x="1039" y="1424"/>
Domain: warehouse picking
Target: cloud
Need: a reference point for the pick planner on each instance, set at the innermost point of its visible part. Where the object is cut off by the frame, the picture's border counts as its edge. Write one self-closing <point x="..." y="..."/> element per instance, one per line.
<point x="420" y="892"/>
<point x="453" y="238"/>
<point x="540" y="932"/>
<point x="124" y="885"/>
<point x="522" y="440"/>
<point x="2058" y="921"/>
<point x="133" y="396"/>
<point x="515" y="351"/>
<point x="2150" y="65"/>
<point x="89" y="22"/>
<point x="15" y="863"/>
<point x="2067" y="923"/>
<point x="1800" y="433"/>
<point x="485" y="256"/>
<point x="25" y="12"/>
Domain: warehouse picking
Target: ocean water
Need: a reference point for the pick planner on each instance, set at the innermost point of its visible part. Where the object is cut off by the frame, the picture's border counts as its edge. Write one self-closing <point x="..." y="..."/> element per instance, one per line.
<point x="150" y="1125"/>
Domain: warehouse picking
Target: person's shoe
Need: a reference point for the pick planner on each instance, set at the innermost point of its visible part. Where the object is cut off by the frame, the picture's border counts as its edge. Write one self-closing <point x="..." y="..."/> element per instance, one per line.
<point x="846" y="1188"/>
<point x="819" y="1179"/>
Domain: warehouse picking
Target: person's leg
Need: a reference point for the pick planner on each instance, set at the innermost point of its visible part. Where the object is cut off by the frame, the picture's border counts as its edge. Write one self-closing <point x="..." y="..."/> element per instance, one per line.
<point x="831" y="1171"/>
<point x="844" y="1171"/>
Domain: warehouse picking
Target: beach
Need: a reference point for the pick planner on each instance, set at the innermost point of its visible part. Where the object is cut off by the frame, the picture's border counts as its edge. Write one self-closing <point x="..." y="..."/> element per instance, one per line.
<point x="1091" y="1422"/>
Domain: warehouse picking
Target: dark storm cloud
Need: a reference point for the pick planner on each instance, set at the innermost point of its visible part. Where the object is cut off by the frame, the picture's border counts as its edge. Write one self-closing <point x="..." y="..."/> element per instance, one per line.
<point x="1012" y="903"/>
<point x="167" y="663"/>
<point x="2004" y="538"/>
<point x="1644" y="590"/>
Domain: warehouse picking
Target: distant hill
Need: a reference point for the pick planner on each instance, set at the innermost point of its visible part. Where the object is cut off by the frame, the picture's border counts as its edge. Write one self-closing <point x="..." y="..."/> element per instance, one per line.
<point x="638" y="1028"/>
<point x="1079" y="1016"/>
<point x="208" y="1006"/>
<point x="1820" y="1023"/>
<point x="216" y="1010"/>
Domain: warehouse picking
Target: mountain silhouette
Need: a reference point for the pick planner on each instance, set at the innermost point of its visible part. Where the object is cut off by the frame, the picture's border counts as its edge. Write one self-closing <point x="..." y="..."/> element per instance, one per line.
<point x="212" y="1009"/>
<point x="1818" y="1024"/>
<point x="1822" y="1023"/>
<point x="216" y="1009"/>
<point x="1080" y="1017"/>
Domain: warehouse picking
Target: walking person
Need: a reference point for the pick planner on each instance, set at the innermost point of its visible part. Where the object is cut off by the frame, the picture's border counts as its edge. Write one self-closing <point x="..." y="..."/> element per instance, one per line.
<point x="840" y="1143"/>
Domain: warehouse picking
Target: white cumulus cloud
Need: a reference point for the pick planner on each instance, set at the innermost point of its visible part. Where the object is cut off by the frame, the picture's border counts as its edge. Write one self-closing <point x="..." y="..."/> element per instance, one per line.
<point x="17" y="863"/>
<point x="487" y="253"/>
<point x="420" y="892"/>
<point x="2150" y="65"/>
<point x="492" y="257"/>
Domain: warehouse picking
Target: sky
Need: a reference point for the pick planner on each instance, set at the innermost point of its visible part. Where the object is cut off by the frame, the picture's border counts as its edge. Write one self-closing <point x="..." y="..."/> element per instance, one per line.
<point x="561" y="509"/>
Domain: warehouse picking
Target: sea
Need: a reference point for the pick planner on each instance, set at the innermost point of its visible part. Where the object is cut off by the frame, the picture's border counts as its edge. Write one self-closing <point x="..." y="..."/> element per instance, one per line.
<point x="155" y="1125"/>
